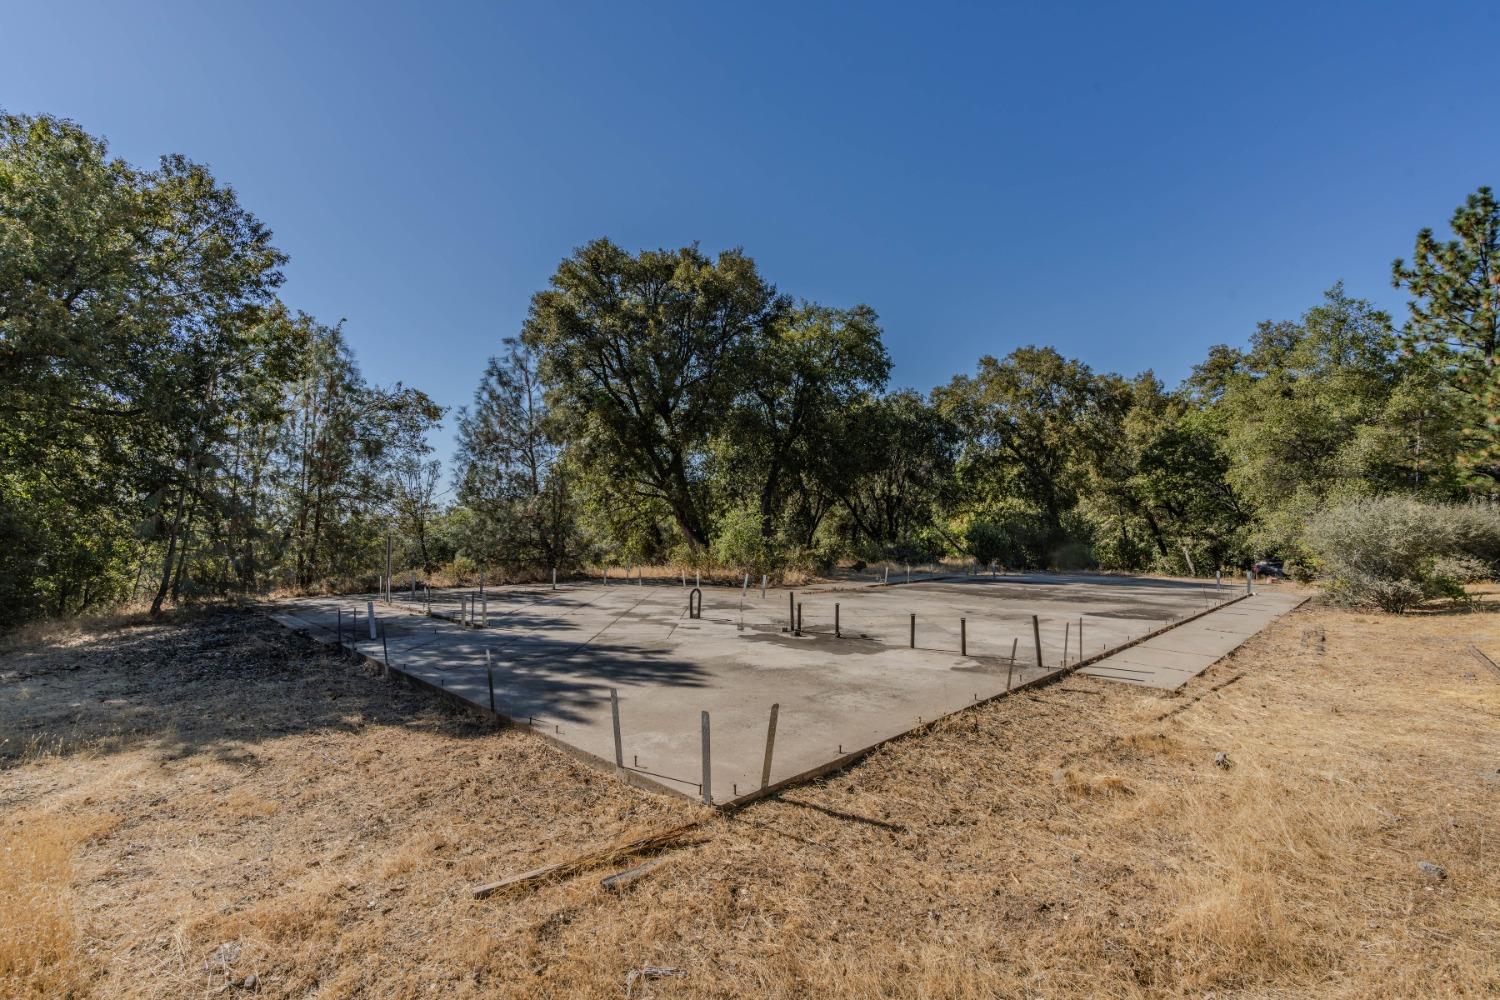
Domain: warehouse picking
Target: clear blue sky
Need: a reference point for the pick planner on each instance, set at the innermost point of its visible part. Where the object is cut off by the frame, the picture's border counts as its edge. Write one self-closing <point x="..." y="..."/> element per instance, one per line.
<point x="1128" y="182"/>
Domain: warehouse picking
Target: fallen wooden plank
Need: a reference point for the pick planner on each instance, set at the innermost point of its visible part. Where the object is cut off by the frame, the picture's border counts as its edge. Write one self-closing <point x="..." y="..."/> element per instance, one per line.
<point x="1482" y="658"/>
<point x="651" y="842"/>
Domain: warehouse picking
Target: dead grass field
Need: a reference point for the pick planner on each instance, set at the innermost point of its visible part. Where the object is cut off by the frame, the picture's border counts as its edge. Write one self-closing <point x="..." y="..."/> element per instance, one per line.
<point x="212" y="807"/>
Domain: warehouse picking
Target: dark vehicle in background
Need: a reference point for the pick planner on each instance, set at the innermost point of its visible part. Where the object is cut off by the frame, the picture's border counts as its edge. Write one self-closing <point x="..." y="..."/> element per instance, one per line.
<point x="1272" y="568"/>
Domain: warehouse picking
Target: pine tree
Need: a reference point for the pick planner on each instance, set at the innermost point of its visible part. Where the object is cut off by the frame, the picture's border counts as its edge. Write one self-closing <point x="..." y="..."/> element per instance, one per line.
<point x="1455" y="313"/>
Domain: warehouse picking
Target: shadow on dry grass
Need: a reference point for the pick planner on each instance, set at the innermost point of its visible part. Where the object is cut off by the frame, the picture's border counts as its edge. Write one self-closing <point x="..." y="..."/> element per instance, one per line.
<point x="196" y="681"/>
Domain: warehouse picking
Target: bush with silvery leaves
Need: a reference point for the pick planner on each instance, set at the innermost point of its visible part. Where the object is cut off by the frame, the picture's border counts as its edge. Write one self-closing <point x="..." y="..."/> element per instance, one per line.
<point x="1395" y="552"/>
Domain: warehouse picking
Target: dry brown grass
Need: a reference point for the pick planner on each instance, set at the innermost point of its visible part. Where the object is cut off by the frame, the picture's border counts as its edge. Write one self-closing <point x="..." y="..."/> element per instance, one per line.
<point x="61" y="631"/>
<point x="265" y="811"/>
<point x="720" y="576"/>
<point x="40" y="954"/>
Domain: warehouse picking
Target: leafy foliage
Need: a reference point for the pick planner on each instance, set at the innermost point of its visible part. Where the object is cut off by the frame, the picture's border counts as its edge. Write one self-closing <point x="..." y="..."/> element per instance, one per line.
<point x="169" y="429"/>
<point x="1395" y="552"/>
<point x="509" y="471"/>
<point x="1455" y="317"/>
<point x="646" y="355"/>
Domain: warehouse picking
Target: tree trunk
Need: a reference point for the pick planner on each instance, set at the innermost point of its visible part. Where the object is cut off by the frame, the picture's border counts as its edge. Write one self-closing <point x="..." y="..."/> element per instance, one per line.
<point x="170" y="558"/>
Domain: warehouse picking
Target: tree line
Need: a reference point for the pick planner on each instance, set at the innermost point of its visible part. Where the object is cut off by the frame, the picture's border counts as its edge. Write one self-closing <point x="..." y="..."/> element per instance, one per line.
<point x="173" y="431"/>
<point x="668" y="407"/>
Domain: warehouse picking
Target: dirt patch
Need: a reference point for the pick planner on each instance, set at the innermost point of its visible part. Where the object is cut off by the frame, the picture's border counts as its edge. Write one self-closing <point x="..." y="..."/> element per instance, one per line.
<point x="253" y="816"/>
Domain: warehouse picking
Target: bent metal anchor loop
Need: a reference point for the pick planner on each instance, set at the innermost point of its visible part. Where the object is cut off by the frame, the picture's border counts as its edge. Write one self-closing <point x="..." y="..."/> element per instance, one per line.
<point x="695" y="610"/>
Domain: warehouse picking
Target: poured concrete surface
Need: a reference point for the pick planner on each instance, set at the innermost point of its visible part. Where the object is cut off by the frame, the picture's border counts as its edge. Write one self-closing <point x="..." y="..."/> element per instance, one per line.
<point x="557" y="654"/>
<point x="1173" y="658"/>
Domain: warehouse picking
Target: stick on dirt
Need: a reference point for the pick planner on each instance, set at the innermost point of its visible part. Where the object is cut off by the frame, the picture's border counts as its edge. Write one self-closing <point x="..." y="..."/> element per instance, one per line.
<point x="1479" y="655"/>
<point x="620" y="880"/>
<point x="661" y="840"/>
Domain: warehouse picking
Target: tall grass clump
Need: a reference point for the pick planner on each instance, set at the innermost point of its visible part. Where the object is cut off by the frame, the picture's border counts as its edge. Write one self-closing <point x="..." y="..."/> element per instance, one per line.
<point x="39" y="937"/>
<point x="1395" y="552"/>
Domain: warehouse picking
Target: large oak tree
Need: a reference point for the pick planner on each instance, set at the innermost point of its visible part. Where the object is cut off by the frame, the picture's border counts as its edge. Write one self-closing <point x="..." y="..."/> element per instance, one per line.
<point x="645" y="355"/>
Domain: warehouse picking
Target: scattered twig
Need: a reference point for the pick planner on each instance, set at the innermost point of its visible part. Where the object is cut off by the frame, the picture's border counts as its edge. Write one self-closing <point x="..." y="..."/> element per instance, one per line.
<point x="620" y="880"/>
<point x="1479" y="655"/>
<point x="651" y="842"/>
<point x="649" y="972"/>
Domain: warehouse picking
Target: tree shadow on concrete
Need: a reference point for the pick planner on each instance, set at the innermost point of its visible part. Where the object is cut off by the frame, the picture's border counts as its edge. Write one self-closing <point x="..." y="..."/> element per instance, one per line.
<point x="221" y="681"/>
<point x="543" y="662"/>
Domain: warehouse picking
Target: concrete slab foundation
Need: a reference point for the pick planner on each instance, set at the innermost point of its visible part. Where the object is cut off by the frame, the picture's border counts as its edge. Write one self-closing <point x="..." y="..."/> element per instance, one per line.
<point x="851" y="679"/>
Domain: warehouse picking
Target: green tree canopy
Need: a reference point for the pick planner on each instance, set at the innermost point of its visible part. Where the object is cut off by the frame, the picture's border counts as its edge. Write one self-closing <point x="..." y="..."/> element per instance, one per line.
<point x="1030" y="423"/>
<point x="645" y="356"/>
<point x="1454" y="313"/>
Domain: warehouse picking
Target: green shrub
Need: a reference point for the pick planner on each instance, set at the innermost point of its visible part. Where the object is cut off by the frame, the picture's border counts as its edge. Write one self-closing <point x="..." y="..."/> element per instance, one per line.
<point x="740" y="543"/>
<point x="986" y="542"/>
<point x="1396" y="552"/>
<point x="463" y="568"/>
<point x="1476" y="535"/>
<point x="1072" y="555"/>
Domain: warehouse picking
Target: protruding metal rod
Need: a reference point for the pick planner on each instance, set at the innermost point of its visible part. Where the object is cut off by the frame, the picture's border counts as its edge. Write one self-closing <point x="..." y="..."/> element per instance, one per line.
<point x="799" y="617"/>
<point x="614" y="709"/>
<point x="489" y="674"/>
<point x="963" y="637"/>
<point x="554" y="577"/>
<point x="1067" y="631"/>
<point x="1036" y="634"/>
<point x="765" y="769"/>
<point x="913" y="630"/>
<point x="370" y="610"/>
<point x="708" y="789"/>
<point x="836" y="633"/>
<point x="791" y="610"/>
<point x="1013" y="644"/>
